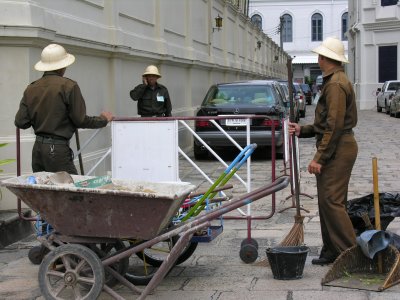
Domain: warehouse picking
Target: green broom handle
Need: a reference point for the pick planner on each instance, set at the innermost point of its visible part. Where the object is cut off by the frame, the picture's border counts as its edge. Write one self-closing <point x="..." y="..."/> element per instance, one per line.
<point x="237" y="162"/>
<point x="247" y="152"/>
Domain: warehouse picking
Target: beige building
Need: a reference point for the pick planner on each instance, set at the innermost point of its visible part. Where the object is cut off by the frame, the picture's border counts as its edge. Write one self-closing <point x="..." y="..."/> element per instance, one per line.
<point x="374" y="37"/>
<point x="113" y="41"/>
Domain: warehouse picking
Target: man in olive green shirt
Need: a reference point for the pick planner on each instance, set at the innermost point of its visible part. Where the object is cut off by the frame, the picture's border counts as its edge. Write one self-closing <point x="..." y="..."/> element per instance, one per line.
<point x="153" y="98"/>
<point x="55" y="108"/>
<point x="335" y="117"/>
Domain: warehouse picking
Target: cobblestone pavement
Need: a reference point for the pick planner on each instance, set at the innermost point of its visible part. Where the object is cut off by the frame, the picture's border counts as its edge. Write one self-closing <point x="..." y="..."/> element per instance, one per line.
<point x="215" y="270"/>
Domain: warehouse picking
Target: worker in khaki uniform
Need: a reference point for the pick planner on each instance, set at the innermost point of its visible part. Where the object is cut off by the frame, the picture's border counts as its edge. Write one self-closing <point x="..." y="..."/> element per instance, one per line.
<point x="335" y="118"/>
<point x="55" y="108"/>
<point x="153" y="98"/>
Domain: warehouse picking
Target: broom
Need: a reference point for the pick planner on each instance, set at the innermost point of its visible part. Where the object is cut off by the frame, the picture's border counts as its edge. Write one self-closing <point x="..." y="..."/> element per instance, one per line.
<point x="296" y="234"/>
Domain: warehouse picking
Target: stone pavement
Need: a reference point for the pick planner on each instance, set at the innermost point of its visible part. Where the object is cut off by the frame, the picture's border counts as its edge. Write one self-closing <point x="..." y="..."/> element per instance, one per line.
<point x="215" y="270"/>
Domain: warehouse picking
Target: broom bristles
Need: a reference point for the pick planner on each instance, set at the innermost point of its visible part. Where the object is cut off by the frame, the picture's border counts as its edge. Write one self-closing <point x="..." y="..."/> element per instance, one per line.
<point x="295" y="236"/>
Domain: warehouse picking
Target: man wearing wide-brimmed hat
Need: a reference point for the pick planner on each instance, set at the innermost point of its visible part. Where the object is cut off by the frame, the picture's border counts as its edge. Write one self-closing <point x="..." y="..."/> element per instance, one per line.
<point x="335" y="118"/>
<point x="55" y="108"/>
<point x="153" y="98"/>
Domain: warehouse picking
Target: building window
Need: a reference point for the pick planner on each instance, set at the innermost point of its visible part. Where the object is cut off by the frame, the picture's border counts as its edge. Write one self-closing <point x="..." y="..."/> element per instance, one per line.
<point x="257" y="21"/>
<point x="287" y="32"/>
<point x="387" y="63"/>
<point x="344" y="26"/>
<point x="316" y="27"/>
<point x="388" y="2"/>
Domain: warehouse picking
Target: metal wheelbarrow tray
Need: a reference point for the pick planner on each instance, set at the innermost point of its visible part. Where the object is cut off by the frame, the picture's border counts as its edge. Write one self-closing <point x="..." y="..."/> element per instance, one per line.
<point x="139" y="210"/>
<point x="121" y="217"/>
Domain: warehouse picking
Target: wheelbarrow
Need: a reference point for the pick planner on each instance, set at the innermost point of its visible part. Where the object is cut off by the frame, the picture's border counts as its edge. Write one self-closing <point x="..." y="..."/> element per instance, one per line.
<point x="83" y="217"/>
<point x="358" y="267"/>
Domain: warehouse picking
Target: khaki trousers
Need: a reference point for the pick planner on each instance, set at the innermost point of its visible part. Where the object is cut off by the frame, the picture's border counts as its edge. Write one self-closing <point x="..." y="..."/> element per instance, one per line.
<point x="332" y="185"/>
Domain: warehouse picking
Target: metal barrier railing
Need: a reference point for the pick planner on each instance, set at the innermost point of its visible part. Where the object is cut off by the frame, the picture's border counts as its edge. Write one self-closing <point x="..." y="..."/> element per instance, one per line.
<point x="183" y="121"/>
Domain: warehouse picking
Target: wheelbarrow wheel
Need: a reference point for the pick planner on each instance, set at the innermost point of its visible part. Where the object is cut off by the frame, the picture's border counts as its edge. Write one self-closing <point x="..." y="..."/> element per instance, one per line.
<point x="71" y="271"/>
<point x="104" y="250"/>
<point x="139" y="272"/>
<point x="157" y="253"/>
<point x="248" y="253"/>
<point x="37" y="253"/>
<point x="249" y="241"/>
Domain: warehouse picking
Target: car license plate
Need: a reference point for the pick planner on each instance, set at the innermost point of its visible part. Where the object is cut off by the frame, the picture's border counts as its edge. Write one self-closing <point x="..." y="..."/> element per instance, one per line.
<point x="235" y="122"/>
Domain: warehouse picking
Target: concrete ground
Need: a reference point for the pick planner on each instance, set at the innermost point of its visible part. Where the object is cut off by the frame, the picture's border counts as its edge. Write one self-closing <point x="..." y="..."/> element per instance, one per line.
<point x="215" y="270"/>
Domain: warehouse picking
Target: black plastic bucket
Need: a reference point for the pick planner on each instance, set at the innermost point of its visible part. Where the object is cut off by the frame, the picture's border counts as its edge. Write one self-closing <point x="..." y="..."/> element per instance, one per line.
<point x="287" y="262"/>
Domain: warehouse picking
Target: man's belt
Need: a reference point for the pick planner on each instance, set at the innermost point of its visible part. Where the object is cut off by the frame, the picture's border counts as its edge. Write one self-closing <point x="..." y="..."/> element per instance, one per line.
<point x="51" y="140"/>
<point x="319" y="136"/>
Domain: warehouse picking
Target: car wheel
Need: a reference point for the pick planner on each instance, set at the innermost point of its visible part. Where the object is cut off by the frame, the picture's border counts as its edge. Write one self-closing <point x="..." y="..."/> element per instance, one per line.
<point x="199" y="152"/>
<point x="378" y="108"/>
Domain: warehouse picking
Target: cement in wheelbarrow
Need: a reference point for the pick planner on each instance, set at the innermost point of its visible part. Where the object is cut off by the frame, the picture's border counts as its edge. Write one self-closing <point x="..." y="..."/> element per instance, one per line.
<point x="132" y="209"/>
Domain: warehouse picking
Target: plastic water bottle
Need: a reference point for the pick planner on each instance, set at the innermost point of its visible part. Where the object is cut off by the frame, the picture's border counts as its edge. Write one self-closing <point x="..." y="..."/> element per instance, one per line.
<point x="31" y="180"/>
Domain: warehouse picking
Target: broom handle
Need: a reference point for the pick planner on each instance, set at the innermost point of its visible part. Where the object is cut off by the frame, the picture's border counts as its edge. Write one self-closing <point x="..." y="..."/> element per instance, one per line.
<point x="376" y="194"/>
<point x="376" y="206"/>
<point x="293" y="137"/>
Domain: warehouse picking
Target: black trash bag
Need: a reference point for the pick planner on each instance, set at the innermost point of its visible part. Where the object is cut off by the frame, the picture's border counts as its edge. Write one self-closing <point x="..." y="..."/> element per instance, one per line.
<point x="389" y="204"/>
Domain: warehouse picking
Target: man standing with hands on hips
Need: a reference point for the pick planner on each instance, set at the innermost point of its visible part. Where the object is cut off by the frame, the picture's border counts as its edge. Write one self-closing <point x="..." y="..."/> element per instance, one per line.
<point x="152" y="97"/>
<point x="335" y="118"/>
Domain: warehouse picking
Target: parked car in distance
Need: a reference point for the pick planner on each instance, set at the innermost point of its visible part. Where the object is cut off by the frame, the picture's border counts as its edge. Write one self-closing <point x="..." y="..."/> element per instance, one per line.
<point x="394" y="109"/>
<point x="383" y="95"/>
<point x="307" y="93"/>
<point x="298" y="94"/>
<point x="285" y="87"/>
<point x="254" y="97"/>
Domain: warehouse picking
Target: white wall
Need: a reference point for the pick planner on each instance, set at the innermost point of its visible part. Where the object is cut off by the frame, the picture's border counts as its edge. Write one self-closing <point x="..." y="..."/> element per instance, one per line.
<point x="113" y="41"/>
<point x="371" y="26"/>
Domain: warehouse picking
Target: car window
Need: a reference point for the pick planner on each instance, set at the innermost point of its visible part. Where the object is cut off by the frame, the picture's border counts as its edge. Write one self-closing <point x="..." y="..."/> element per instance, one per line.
<point x="237" y="94"/>
<point x="280" y="96"/>
<point x="393" y="86"/>
<point x="285" y="89"/>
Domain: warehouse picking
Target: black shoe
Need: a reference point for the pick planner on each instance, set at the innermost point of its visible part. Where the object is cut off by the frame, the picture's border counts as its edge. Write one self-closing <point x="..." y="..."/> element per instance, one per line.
<point x="322" y="261"/>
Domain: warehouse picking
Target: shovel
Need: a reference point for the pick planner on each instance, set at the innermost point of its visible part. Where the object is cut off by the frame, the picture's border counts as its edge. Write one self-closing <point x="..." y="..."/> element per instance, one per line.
<point x="353" y="269"/>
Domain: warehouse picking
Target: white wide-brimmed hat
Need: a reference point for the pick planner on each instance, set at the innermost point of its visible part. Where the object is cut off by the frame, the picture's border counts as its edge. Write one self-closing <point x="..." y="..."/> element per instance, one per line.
<point x="332" y="48"/>
<point x="54" y="57"/>
<point x="151" y="70"/>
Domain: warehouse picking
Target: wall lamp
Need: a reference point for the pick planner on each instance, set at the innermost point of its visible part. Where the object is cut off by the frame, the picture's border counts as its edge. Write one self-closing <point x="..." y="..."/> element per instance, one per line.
<point x="218" y="23"/>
